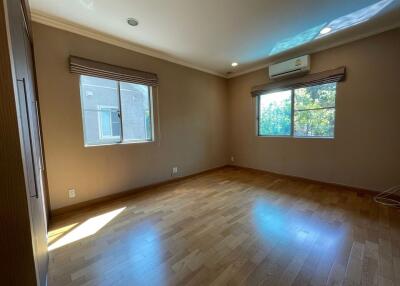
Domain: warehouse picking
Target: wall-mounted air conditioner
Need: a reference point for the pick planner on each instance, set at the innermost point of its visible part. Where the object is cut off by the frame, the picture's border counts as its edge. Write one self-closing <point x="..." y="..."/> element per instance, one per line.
<point x="290" y="67"/>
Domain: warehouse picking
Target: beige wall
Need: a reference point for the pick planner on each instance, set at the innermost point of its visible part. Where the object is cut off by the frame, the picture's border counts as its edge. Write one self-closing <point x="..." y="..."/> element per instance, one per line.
<point x="366" y="150"/>
<point x="192" y="116"/>
<point x="205" y="119"/>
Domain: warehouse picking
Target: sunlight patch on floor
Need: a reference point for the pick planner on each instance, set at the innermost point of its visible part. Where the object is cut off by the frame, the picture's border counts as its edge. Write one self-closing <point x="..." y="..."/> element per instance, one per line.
<point x="85" y="229"/>
<point x="57" y="233"/>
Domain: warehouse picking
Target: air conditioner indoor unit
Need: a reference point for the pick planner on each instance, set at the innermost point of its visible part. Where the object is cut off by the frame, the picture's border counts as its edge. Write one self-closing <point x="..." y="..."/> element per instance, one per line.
<point x="290" y="67"/>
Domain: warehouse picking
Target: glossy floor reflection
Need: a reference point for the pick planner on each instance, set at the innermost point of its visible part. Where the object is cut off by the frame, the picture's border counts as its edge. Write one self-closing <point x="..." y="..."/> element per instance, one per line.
<point x="230" y="227"/>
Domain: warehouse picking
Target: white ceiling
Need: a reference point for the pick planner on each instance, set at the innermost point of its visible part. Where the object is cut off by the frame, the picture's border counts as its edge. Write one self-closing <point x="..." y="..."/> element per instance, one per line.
<point x="211" y="34"/>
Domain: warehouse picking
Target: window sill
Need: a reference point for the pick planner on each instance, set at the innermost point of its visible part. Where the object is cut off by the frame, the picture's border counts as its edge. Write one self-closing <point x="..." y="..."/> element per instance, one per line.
<point x="295" y="137"/>
<point x="314" y="137"/>
<point x="274" y="136"/>
<point x="119" y="143"/>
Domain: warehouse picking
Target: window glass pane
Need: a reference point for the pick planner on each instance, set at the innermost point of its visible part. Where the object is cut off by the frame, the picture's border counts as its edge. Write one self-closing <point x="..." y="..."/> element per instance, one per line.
<point x="116" y="123"/>
<point x="114" y="116"/>
<point x="319" y="96"/>
<point x="314" y="123"/>
<point x="110" y="124"/>
<point x="136" y="112"/>
<point x="105" y="124"/>
<point x="315" y="111"/>
<point x="100" y="104"/>
<point x="275" y="113"/>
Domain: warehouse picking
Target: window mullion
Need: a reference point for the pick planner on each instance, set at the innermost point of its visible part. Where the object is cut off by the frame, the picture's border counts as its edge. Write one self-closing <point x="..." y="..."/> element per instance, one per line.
<point x="258" y="114"/>
<point x="151" y="115"/>
<point x="292" y="116"/>
<point x="120" y="113"/>
<point x="318" y="108"/>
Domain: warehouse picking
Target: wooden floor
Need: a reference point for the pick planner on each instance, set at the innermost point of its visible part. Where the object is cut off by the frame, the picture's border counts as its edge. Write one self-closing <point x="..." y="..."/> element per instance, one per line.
<point x="230" y="227"/>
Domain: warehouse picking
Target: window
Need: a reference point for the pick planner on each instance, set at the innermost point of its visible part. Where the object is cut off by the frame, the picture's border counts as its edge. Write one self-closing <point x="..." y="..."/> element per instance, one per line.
<point x="302" y="112"/>
<point x="314" y="111"/>
<point x="115" y="112"/>
<point x="275" y="113"/>
<point x="109" y="123"/>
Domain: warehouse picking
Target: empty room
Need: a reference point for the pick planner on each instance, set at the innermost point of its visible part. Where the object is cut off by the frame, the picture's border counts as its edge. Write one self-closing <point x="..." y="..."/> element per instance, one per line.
<point x="200" y="142"/>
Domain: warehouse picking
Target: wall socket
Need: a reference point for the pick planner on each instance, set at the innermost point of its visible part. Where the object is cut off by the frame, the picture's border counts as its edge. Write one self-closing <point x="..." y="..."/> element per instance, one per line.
<point x="71" y="193"/>
<point x="174" y="171"/>
<point x="232" y="159"/>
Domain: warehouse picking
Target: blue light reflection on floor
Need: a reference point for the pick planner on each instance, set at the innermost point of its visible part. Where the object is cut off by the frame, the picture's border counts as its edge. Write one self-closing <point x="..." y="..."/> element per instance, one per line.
<point x="146" y="255"/>
<point x="278" y="225"/>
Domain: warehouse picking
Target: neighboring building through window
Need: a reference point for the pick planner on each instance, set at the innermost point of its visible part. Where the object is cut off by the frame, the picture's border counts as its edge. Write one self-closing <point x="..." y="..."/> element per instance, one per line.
<point x="109" y="123"/>
<point x="302" y="112"/>
<point x="115" y="112"/>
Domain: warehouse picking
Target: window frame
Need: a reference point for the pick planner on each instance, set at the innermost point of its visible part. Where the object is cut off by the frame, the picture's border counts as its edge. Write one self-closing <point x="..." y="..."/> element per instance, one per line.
<point x="151" y="117"/>
<point x="108" y="141"/>
<point x="292" y="133"/>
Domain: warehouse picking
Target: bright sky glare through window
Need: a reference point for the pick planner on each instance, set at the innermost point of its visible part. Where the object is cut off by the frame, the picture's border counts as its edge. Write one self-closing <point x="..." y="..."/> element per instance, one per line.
<point x="274" y="98"/>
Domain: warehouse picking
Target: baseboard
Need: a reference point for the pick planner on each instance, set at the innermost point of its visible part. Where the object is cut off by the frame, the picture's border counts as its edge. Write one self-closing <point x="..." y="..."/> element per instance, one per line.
<point x="106" y="199"/>
<point x="307" y="180"/>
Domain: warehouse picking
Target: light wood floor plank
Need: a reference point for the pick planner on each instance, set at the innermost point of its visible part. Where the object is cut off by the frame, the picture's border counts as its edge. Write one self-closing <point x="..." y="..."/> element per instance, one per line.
<point x="229" y="227"/>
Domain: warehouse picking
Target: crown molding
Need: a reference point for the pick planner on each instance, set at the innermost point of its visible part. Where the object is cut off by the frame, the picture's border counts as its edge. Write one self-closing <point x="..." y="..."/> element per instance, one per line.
<point x="61" y="24"/>
<point x="316" y="49"/>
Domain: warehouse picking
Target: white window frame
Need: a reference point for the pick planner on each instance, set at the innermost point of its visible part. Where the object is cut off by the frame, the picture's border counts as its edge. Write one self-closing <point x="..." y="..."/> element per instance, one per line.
<point x="151" y="116"/>
<point x="109" y="140"/>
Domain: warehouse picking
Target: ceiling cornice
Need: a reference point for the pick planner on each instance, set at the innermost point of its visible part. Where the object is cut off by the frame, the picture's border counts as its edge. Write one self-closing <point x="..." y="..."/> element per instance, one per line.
<point x="312" y="47"/>
<point x="61" y="24"/>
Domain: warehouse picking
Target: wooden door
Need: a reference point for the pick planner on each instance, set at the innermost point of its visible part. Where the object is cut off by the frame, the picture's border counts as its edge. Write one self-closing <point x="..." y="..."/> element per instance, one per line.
<point x="27" y="110"/>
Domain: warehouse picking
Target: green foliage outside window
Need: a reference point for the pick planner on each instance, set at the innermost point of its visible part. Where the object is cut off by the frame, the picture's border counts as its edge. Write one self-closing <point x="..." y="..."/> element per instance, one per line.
<point x="275" y="114"/>
<point x="314" y="112"/>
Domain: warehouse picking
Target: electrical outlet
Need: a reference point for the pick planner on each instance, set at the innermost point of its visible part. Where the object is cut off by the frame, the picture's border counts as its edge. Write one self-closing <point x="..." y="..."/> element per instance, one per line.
<point x="232" y="159"/>
<point x="71" y="193"/>
<point x="174" y="170"/>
